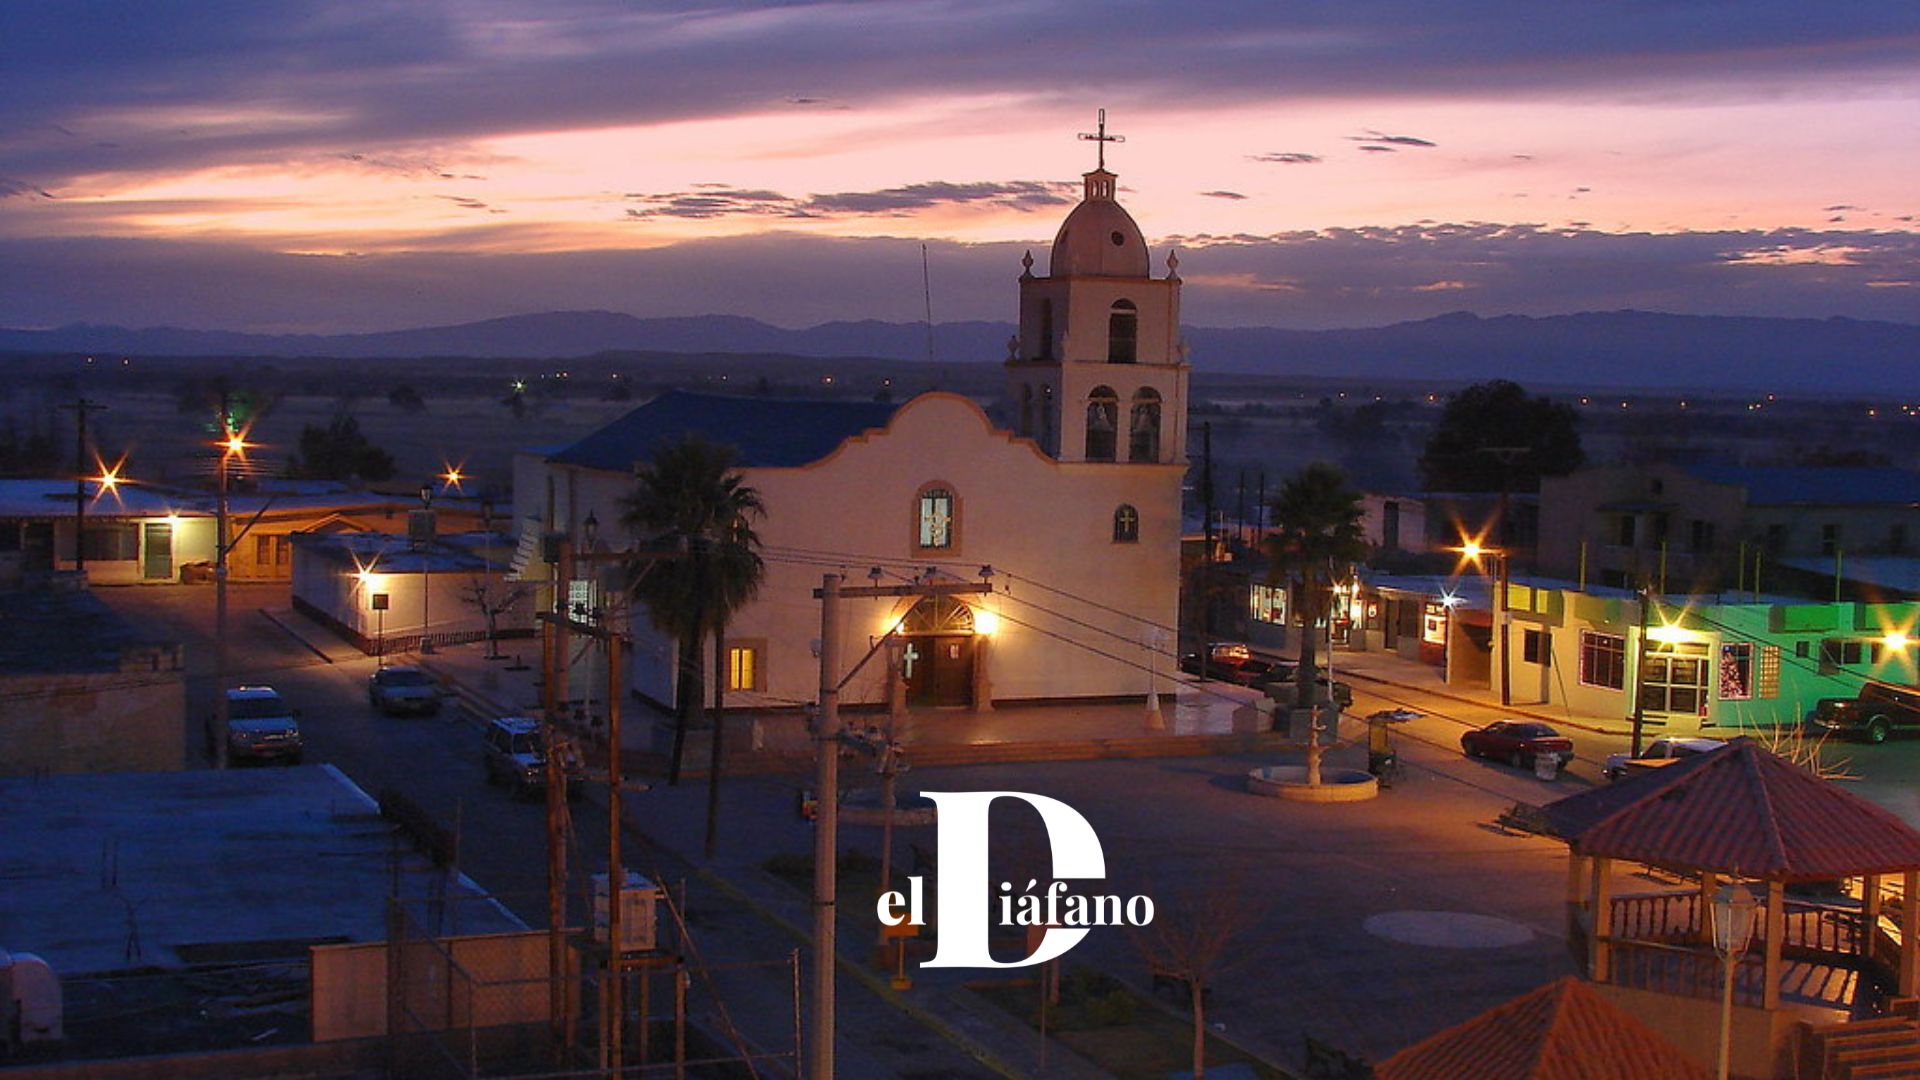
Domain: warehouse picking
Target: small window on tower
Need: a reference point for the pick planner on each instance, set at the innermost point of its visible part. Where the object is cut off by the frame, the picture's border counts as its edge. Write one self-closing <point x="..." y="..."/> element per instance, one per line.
<point x="1123" y="332"/>
<point x="1126" y="525"/>
<point x="1119" y="240"/>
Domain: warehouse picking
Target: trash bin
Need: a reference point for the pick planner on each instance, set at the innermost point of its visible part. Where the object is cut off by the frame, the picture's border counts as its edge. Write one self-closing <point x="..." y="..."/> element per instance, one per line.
<point x="1546" y="766"/>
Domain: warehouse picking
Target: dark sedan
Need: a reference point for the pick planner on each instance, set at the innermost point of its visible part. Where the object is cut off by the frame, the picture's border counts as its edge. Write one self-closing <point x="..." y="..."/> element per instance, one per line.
<point x="1520" y="743"/>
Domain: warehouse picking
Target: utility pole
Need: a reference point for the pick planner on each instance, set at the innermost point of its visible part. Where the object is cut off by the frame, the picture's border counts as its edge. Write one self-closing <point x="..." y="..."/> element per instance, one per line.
<point x="1206" y="565"/>
<point x="826" y="828"/>
<point x="81" y="407"/>
<point x="231" y="443"/>
<point x="1506" y="643"/>
<point x="827" y="739"/>
<point x="1640" y="668"/>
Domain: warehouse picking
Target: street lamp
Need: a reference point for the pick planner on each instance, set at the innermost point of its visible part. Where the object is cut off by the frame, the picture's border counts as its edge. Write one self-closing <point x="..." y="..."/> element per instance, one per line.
<point x="1733" y="910"/>
<point x="424" y="545"/>
<point x="1497" y="567"/>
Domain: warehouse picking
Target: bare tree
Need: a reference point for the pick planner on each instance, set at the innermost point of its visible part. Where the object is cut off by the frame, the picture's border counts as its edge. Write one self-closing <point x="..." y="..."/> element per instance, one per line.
<point x="1797" y="745"/>
<point x="493" y="599"/>
<point x="1198" y="933"/>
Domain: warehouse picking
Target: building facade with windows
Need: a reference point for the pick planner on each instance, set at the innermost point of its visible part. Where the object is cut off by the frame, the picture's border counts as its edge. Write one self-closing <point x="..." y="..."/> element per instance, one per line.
<point x="1072" y="517"/>
<point x="1709" y="527"/>
<point x="1707" y="665"/>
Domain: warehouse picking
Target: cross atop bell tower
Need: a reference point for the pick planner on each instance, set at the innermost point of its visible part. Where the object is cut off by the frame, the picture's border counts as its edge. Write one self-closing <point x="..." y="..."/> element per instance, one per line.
<point x="1101" y="138"/>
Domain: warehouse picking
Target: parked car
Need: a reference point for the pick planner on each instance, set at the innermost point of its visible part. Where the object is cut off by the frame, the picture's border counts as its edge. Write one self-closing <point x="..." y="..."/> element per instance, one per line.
<point x="1228" y="661"/>
<point x="260" y="727"/>
<point x="403" y="689"/>
<point x="1278" y="684"/>
<point x="1880" y="710"/>
<point x="515" y="755"/>
<point x="1662" y="751"/>
<point x="1520" y="743"/>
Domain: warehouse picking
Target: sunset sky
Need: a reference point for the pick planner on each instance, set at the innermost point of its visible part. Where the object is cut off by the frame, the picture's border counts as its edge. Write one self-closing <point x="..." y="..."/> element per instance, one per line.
<point x="348" y="165"/>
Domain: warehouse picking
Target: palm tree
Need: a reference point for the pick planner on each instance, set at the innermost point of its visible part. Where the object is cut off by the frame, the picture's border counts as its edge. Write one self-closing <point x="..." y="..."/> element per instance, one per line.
<point x="1316" y="533"/>
<point x="690" y="498"/>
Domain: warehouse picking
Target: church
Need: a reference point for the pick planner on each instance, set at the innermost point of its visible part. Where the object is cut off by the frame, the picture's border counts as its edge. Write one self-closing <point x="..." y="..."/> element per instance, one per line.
<point x="1059" y="537"/>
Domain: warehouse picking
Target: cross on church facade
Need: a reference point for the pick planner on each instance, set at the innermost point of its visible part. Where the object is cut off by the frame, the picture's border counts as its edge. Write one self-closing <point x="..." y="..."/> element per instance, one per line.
<point x="1102" y="138"/>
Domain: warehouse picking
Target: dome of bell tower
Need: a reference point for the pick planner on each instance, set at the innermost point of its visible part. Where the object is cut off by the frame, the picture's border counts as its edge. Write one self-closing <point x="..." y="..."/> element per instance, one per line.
<point x="1099" y="238"/>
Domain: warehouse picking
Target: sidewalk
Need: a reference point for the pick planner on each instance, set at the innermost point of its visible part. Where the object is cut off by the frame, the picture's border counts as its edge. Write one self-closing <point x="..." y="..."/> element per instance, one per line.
<point x="1391" y="670"/>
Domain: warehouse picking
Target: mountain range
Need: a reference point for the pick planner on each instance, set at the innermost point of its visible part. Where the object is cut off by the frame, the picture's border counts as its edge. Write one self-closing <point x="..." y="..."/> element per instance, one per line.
<point x="1597" y="349"/>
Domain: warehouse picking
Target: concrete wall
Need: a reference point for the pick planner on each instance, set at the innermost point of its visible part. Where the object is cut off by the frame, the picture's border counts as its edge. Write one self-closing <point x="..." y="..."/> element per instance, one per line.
<point x="128" y="721"/>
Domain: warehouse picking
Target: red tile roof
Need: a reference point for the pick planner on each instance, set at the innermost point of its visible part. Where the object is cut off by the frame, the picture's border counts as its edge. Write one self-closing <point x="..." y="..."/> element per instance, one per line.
<point x="1739" y="810"/>
<point x="1562" y="1031"/>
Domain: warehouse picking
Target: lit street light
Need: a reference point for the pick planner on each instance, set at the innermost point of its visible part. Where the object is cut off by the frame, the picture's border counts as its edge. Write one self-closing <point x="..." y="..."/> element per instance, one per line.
<point x="1497" y="567"/>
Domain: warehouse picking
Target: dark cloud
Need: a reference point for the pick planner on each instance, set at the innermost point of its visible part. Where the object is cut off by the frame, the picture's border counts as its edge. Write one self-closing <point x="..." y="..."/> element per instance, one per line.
<point x="11" y="188"/>
<point x="300" y="79"/>
<point x="469" y="203"/>
<point x="1371" y="148"/>
<point x="1376" y="137"/>
<point x="1289" y="157"/>
<point x="1230" y="195"/>
<point x="716" y="201"/>
<point x="1837" y="207"/>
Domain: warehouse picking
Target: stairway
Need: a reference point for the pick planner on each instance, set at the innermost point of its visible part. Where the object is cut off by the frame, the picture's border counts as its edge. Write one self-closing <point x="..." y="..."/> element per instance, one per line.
<point x="1883" y="1048"/>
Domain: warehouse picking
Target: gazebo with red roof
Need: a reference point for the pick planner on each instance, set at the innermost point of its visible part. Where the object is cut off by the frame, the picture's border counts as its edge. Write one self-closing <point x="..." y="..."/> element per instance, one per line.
<point x="1741" y="813"/>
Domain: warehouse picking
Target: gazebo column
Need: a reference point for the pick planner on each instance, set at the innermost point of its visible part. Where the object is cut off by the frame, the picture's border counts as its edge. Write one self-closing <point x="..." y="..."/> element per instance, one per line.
<point x="1776" y="931"/>
<point x="1869" y="913"/>
<point x="1601" y="898"/>
<point x="1576" y="868"/>
<point x="1703" y="907"/>
<point x="1909" y="927"/>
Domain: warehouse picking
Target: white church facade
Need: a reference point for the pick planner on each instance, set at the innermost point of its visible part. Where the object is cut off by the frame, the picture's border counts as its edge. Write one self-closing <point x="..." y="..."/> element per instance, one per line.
<point x="1071" y="516"/>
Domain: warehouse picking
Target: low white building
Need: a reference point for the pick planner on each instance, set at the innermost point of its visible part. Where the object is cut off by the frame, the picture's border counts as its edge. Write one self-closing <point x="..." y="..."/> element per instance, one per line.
<point x="384" y="595"/>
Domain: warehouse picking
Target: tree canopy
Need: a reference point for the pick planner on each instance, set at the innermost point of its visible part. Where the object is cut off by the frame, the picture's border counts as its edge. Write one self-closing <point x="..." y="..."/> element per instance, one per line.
<point x="1493" y="437"/>
<point x="1316" y="536"/>
<point x="339" y="451"/>
<point x="689" y="496"/>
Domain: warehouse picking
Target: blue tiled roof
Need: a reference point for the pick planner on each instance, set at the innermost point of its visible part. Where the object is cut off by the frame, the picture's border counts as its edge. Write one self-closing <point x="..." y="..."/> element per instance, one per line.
<point x="767" y="432"/>
<point x="1785" y="486"/>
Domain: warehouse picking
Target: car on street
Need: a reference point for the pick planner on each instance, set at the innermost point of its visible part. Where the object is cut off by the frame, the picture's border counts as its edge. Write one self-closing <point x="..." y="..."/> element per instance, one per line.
<point x="515" y="755"/>
<point x="1879" y="710"/>
<point x="403" y="689"/>
<point x="1520" y="743"/>
<point x="1662" y="751"/>
<point x="1228" y="661"/>
<point x="260" y="727"/>
<point x="1278" y="684"/>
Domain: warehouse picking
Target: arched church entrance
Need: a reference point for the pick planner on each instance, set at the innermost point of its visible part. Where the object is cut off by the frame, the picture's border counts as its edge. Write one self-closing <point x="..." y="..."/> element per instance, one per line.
<point x="937" y="663"/>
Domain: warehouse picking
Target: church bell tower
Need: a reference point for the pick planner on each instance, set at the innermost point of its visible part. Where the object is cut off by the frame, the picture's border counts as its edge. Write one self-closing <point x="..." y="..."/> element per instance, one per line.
<point x="1098" y="372"/>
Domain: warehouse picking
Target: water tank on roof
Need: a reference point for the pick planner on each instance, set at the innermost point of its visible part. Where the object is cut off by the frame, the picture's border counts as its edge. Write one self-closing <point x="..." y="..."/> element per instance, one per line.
<point x="30" y="1008"/>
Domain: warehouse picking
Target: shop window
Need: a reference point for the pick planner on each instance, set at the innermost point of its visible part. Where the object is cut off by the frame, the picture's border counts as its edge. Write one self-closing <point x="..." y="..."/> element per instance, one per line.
<point x="111" y="541"/>
<point x="1736" y="671"/>
<point x="1768" y="683"/>
<point x="1126" y="525"/>
<point x="1268" y="604"/>
<point x="1123" y="333"/>
<point x="1103" y="419"/>
<point x="1624" y="530"/>
<point x="1143" y="429"/>
<point x="1535" y="648"/>
<point x="1603" y="660"/>
<point x="935" y="528"/>
<point x="745" y="666"/>
<point x="1836" y="653"/>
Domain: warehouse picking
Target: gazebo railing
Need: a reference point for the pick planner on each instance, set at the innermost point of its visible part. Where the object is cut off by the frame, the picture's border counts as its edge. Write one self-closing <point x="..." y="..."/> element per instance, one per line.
<point x="1684" y="972"/>
<point x="1825" y="928"/>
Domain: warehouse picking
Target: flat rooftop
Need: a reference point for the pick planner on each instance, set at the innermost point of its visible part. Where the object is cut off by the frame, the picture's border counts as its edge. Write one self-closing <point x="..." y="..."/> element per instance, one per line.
<point x="113" y="871"/>
<point x="65" y="631"/>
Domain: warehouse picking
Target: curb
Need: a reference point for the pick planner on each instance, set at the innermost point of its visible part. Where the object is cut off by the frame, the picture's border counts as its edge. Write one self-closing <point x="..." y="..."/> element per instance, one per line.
<point x="1517" y="710"/>
<point x="295" y="635"/>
